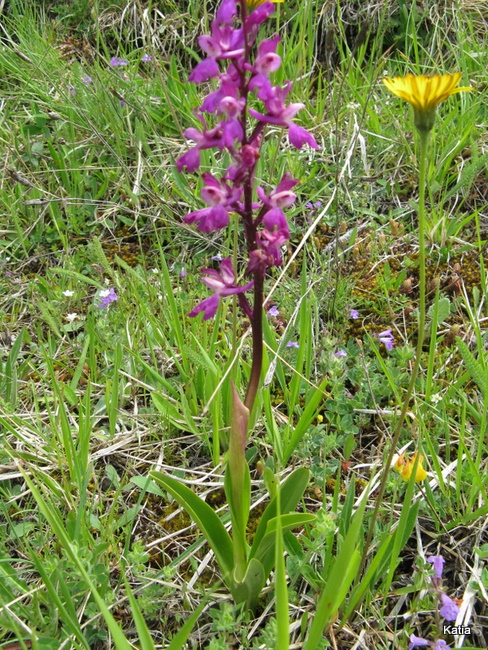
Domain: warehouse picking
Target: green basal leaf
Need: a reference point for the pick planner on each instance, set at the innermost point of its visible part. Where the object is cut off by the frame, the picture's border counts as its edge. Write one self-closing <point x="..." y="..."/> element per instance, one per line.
<point x="205" y="518"/>
<point x="266" y="549"/>
<point x="247" y="590"/>
<point x="237" y="482"/>
<point x="291" y="492"/>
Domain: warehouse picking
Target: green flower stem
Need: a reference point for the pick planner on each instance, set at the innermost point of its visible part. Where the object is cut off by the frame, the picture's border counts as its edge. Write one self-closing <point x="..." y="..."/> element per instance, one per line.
<point x="424" y="142"/>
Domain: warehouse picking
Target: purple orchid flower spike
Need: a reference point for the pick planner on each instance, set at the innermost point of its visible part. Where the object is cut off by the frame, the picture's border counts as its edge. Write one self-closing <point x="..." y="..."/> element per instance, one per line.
<point x="229" y="122"/>
<point x="222" y="284"/>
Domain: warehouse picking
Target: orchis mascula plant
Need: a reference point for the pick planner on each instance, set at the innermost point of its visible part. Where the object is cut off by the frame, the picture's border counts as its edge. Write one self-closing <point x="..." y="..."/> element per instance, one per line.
<point x="238" y="131"/>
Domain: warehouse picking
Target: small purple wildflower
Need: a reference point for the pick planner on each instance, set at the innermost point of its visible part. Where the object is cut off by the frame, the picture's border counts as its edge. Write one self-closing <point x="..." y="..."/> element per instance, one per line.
<point x="311" y="205"/>
<point x="183" y="273"/>
<point x="438" y="562"/>
<point x="115" y="62"/>
<point x="107" y="296"/>
<point x="387" y="339"/>
<point x="72" y="89"/>
<point x="416" y="641"/>
<point x="354" y="314"/>
<point x="86" y="80"/>
<point x="340" y="353"/>
<point x="274" y="311"/>
<point x="147" y="58"/>
<point x="449" y="609"/>
<point x="292" y="344"/>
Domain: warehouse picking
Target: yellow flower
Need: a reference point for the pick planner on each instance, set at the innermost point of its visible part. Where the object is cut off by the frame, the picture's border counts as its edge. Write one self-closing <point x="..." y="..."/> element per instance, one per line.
<point x="425" y="93"/>
<point x="405" y="468"/>
<point x="252" y="4"/>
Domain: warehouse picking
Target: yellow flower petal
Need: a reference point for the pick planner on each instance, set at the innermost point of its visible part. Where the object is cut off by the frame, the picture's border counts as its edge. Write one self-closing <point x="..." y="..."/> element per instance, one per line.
<point x="252" y="4"/>
<point x="425" y="93"/>
<point x="405" y="468"/>
<point x="399" y="463"/>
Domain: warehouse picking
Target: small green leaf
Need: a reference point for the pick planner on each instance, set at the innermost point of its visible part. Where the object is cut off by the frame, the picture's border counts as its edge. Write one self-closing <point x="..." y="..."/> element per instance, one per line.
<point x="443" y="310"/>
<point x="146" y="484"/>
<point x="475" y="367"/>
<point x="168" y="410"/>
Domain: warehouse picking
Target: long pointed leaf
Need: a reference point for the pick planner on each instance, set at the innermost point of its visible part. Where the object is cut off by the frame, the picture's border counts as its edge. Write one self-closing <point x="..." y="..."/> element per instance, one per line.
<point x="184" y="632"/>
<point x="142" y="630"/>
<point x="340" y="579"/>
<point x="265" y="551"/>
<point x="205" y="518"/>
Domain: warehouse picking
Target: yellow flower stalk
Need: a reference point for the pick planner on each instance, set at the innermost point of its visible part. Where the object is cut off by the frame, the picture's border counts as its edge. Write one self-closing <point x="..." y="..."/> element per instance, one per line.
<point x="425" y="94"/>
<point x="405" y="467"/>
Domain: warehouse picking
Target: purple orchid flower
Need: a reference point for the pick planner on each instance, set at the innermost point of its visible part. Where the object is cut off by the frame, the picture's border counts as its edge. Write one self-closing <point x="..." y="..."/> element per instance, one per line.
<point x="222" y="284"/>
<point x="279" y="114"/>
<point x="220" y="196"/>
<point x="225" y="42"/>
